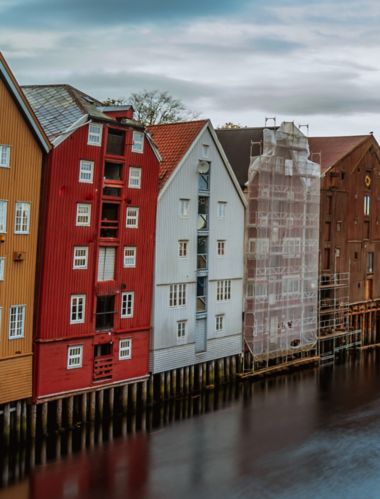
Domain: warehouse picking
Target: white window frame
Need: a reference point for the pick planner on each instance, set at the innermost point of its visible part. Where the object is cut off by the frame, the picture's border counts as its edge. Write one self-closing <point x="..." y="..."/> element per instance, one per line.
<point x="134" y="177"/>
<point x="95" y="132"/>
<point x="221" y="210"/>
<point x="261" y="289"/>
<point x="83" y="172"/>
<point x="181" y="329"/>
<point x="17" y="322"/>
<point x="127" y="304"/>
<point x="3" y="216"/>
<point x="106" y="254"/>
<point x="22" y="222"/>
<point x="138" y="142"/>
<point x="132" y="256"/>
<point x="74" y="357"/>
<point x="367" y="205"/>
<point x="2" y="268"/>
<point x="221" y="247"/>
<point x="258" y="247"/>
<point x="291" y="281"/>
<point x="183" y="248"/>
<point x="184" y="208"/>
<point x="74" y="302"/>
<point x="219" y="323"/>
<point x="291" y="247"/>
<point x="87" y="222"/>
<point x="125" y="348"/>
<point x="177" y="295"/>
<point x="205" y="150"/>
<point x="223" y="290"/>
<point x="77" y="259"/>
<point x="5" y="156"/>
<point x="132" y="220"/>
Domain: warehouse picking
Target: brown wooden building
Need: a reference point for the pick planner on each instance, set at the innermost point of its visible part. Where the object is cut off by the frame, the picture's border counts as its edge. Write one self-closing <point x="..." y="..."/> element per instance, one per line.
<point x="22" y="148"/>
<point x="349" y="216"/>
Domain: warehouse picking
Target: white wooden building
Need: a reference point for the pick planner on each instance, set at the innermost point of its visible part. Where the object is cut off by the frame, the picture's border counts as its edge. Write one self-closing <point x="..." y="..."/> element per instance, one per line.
<point x="199" y="261"/>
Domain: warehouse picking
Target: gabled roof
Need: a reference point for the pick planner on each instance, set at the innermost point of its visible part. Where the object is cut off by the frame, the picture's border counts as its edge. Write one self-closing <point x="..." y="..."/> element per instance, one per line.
<point x="10" y="81"/>
<point x="333" y="149"/>
<point x="173" y="141"/>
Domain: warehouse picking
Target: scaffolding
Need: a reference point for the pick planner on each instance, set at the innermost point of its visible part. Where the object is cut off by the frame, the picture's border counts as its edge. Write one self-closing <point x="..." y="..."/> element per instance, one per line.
<point x="281" y="301"/>
<point x="335" y="334"/>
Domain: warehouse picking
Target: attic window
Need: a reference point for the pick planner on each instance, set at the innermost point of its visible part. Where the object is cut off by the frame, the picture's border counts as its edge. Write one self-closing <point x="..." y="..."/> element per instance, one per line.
<point x="94" y="134"/>
<point x="138" y="142"/>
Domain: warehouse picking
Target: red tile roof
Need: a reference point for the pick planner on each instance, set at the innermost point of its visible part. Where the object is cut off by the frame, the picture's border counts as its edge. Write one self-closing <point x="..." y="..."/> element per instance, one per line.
<point x="333" y="149"/>
<point x="173" y="140"/>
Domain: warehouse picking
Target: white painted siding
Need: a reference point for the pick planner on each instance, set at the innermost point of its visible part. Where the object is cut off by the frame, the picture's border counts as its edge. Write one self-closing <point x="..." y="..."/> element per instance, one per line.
<point x="167" y="351"/>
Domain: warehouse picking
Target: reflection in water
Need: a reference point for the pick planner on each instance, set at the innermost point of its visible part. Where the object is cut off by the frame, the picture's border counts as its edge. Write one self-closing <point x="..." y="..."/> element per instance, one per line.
<point x="311" y="434"/>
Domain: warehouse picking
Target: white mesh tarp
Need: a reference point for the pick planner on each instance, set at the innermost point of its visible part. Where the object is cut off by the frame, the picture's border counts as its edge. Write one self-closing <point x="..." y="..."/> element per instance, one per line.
<point x="282" y="246"/>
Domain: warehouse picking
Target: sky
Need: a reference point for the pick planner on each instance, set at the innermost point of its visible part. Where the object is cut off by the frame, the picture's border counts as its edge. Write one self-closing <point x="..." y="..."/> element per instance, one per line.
<point x="314" y="62"/>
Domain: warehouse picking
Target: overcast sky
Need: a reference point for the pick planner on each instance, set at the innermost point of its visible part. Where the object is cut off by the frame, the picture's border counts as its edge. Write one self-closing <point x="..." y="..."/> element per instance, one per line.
<point x="314" y="61"/>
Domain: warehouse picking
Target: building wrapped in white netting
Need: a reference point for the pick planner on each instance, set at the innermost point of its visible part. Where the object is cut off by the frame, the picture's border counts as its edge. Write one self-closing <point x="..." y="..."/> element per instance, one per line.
<point x="281" y="308"/>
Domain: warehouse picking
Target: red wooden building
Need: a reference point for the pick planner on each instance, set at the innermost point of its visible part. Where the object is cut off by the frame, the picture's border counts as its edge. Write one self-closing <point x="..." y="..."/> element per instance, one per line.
<point x="97" y="244"/>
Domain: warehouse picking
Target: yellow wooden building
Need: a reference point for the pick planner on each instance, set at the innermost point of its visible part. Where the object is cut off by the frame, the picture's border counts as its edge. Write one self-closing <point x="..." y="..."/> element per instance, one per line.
<point x="23" y="148"/>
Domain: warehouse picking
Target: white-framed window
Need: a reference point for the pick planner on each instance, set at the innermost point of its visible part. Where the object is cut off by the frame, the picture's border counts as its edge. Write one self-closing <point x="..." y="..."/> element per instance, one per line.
<point x="95" y="134"/>
<point x="181" y="329"/>
<point x="2" y="268"/>
<point x="16" y="321"/>
<point x="221" y="210"/>
<point x="177" y="295"/>
<point x="3" y="216"/>
<point x="127" y="304"/>
<point x="74" y="356"/>
<point x="261" y="289"/>
<point x="220" y="247"/>
<point x="22" y="218"/>
<point x="138" y="142"/>
<point x="134" y="180"/>
<point x="106" y="264"/>
<point x="129" y="257"/>
<point x="77" y="309"/>
<point x="219" y="322"/>
<point x="182" y="248"/>
<point x="5" y="156"/>
<point x="223" y="290"/>
<point x="86" y="171"/>
<point x="290" y="285"/>
<point x="205" y="150"/>
<point x="132" y="220"/>
<point x="258" y="247"/>
<point x="367" y="205"/>
<point x="83" y="216"/>
<point x="80" y="258"/>
<point x="184" y="208"/>
<point x="125" y="349"/>
<point x="291" y="247"/>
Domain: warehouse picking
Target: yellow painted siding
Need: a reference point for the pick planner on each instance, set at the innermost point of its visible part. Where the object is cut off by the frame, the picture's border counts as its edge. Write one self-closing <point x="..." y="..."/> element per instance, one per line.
<point x="20" y="182"/>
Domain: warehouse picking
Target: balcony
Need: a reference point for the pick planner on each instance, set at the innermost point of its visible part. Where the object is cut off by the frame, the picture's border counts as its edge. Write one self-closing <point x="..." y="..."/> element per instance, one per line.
<point x="109" y="223"/>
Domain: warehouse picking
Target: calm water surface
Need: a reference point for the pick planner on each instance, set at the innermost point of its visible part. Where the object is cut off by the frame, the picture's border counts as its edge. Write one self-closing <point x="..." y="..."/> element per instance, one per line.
<point x="312" y="434"/>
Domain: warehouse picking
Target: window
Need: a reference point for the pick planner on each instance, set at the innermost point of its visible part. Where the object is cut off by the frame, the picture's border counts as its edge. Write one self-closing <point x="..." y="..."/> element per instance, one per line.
<point x="181" y="329"/>
<point x="77" y="309"/>
<point x="221" y="209"/>
<point x="219" y="323"/>
<point x="182" y="248"/>
<point x="3" y="216"/>
<point x="127" y="302"/>
<point x="2" y="268"/>
<point x="113" y="171"/>
<point x="184" y="208"/>
<point x="129" y="257"/>
<point x="370" y="259"/>
<point x="86" y="171"/>
<point x="291" y="247"/>
<point x="105" y="311"/>
<point x="74" y="356"/>
<point x="16" y="321"/>
<point x="115" y="142"/>
<point x="134" y="181"/>
<point x="290" y="285"/>
<point x="125" y="349"/>
<point x="94" y="134"/>
<point x="177" y="295"/>
<point x="5" y="156"/>
<point x="338" y="226"/>
<point x="367" y="205"/>
<point x="223" y="290"/>
<point x="22" y="218"/>
<point x="106" y="264"/>
<point x="205" y="150"/>
<point x="220" y="247"/>
<point x="80" y="257"/>
<point x="83" y="217"/>
<point x="132" y="218"/>
<point x="138" y="142"/>
<point x="261" y="289"/>
<point x="258" y="247"/>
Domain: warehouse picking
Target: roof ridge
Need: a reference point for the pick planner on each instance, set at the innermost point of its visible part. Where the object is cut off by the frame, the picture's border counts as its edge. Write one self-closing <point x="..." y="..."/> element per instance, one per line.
<point x="179" y="123"/>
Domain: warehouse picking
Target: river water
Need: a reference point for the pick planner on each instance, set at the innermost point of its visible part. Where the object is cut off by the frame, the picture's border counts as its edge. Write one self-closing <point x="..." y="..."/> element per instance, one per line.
<point x="310" y="434"/>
